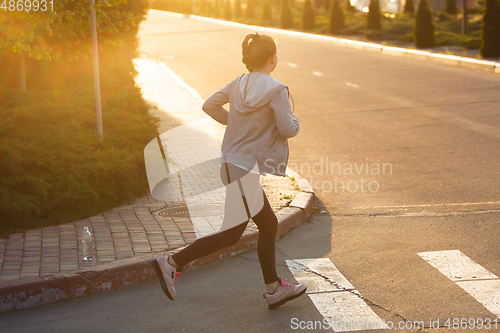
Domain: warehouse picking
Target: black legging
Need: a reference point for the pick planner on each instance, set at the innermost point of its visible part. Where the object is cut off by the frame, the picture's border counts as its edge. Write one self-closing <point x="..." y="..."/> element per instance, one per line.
<point x="265" y="220"/>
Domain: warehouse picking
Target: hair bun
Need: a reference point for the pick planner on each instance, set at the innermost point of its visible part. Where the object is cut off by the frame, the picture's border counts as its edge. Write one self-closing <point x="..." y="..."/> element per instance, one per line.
<point x="257" y="50"/>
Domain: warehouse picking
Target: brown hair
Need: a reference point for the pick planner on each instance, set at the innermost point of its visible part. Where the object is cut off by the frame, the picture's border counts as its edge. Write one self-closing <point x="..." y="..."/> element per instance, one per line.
<point x="257" y="49"/>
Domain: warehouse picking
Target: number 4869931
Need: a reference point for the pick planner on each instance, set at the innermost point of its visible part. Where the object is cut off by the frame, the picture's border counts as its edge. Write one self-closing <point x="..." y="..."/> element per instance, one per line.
<point x="27" y="5"/>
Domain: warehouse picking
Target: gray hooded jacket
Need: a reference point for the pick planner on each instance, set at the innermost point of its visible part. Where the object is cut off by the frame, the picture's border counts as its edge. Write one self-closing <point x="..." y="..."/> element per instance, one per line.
<point x="259" y="122"/>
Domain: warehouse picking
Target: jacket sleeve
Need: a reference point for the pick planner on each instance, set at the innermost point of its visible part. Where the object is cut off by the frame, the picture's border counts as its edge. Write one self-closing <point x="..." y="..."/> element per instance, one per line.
<point x="287" y="123"/>
<point x="213" y="106"/>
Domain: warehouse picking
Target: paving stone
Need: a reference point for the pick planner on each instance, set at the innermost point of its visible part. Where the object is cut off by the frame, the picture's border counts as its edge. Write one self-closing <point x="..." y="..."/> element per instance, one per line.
<point x="26" y="269"/>
<point x="50" y="259"/>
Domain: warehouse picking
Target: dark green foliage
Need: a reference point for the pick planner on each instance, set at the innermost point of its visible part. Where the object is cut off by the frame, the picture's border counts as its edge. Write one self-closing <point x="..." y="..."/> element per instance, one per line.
<point x="449" y="38"/>
<point x="250" y="10"/>
<point x="336" y="17"/>
<point x="54" y="169"/>
<point x="423" y="31"/>
<point x="227" y="10"/>
<point x="237" y="8"/>
<point x="490" y="44"/>
<point x="450" y="7"/>
<point x="409" y="7"/>
<point x="374" y="18"/>
<point x="307" y="16"/>
<point x="286" y="18"/>
<point x="267" y="15"/>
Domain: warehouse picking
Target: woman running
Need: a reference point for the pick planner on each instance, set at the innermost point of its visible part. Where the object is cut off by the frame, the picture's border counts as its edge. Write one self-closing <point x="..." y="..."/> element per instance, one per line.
<point x="255" y="142"/>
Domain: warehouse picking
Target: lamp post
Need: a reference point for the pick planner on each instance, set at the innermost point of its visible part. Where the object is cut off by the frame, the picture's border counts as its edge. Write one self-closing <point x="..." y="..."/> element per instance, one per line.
<point x="97" y="88"/>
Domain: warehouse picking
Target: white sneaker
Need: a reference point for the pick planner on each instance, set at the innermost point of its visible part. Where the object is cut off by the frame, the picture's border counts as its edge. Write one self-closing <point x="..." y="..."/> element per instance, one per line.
<point x="284" y="293"/>
<point x="167" y="274"/>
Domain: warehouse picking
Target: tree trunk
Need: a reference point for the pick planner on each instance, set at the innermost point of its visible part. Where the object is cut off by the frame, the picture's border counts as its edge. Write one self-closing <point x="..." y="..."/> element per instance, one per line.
<point x="464" y="17"/>
<point x="22" y="72"/>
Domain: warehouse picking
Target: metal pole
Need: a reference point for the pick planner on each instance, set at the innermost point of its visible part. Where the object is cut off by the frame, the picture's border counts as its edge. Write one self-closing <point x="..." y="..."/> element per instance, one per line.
<point x="97" y="87"/>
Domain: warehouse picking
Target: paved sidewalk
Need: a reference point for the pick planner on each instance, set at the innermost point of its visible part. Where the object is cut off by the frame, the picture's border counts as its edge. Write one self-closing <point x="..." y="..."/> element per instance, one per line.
<point x="45" y="265"/>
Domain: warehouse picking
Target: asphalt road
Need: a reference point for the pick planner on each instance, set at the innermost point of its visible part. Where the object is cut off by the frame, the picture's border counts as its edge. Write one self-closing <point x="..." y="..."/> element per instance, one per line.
<point x="417" y="145"/>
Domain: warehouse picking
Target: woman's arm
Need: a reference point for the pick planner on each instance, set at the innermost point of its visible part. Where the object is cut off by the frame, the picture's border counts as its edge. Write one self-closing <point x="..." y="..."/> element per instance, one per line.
<point x="288" y="124"/>
<point x="213" y="105"/>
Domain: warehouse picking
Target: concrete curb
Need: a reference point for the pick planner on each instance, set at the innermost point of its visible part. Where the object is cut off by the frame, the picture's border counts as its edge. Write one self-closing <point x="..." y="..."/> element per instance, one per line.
<point x="29" y="293"/>
<point x="457" y="61"/>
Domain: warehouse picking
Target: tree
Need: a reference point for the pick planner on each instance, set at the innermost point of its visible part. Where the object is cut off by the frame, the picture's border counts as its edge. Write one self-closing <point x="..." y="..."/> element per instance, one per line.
<point x="490" y="35"/>
<point x="237" y="8"/>
<point x="250" y="10"/>
<point x="373" y="19"/>
<point x="64" y="33"/>
<point x="423" y="29"/>
<point x="286" y="19"/>
<point x="349" y="7"/>
<point x="26" y="33"/>
<point x="227" y="10"/>
<point x="336" y="17"/>
<point x="307" y="15"/>
<point x="450" y="7"/>
<point x="327" y="4"/>
<point x="409" y="7"/>
<point x="267" y="14"/>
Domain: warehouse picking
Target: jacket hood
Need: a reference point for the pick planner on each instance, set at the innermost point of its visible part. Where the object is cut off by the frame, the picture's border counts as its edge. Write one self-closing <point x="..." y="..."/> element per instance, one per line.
<point x="255" y="90"/>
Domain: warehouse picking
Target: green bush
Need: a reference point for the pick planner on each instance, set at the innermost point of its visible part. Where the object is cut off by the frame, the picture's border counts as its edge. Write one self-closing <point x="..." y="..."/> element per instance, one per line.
<point x="267" y="14"/>
<point x="286" y="18"/>
<point x="450" y="7"/>
<point x="373" y="19"/>
<point x="445" y="38"/>
<point x="54" y="168"/>
<point x="409" y="7"/>
<point x="308" y="16"/>
<point x="336" y="18"/>
<point x="490" y="44"/>
<point x="399" y="28"/>
<point x="423" y="31"/>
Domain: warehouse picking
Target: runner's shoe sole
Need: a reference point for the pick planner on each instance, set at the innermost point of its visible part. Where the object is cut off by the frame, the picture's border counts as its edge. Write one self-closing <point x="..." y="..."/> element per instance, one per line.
<point x="159" y="275"/>
<point x="283" y="301"/>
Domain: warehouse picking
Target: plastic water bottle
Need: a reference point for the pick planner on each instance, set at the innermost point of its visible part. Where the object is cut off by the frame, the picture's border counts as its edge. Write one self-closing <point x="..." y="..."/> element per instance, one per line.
<point x="87" y="244"/>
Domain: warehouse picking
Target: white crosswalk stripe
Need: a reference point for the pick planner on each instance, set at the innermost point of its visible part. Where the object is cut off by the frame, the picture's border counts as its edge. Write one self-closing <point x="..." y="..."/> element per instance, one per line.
<point x="480" y="283"/>
<point x="334" y="296"/>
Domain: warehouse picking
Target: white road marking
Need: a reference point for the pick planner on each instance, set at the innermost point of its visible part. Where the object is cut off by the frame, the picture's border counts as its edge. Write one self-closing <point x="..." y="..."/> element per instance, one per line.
<point x="480" y="283"/>
<point x="317" y="73"/>
<point x="334" y="296"/>
<point x="291" y="64"/>
<point x="352" y="85"/>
